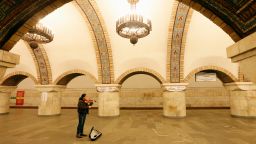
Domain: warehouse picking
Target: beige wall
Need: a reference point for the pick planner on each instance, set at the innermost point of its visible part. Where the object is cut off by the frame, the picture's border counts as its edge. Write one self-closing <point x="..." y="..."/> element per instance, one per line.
<point x="149" y="52"/>
<point x="72" y="47"/>
<point x="141" y="81"/>
<point x="206" y="94"/>
<point x="81" y="82"/>
<point x="26" y="61"/>
<point x="206" y="45"/>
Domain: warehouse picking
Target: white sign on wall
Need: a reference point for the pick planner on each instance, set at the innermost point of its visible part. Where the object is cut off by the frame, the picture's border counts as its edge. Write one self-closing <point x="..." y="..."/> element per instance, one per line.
<point x="204" y="76"/>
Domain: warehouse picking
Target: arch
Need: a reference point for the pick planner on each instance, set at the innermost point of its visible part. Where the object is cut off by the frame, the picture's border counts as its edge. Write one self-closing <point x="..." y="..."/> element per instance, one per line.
<point x="42" y="64"/>
<point x="177" y="35"/>
<point x="13" y="79"/>
<point x="66" y="77"/>
<point x="224" y="75"/>
<point x="22" y="23"/>
<point x="135" y="71"/>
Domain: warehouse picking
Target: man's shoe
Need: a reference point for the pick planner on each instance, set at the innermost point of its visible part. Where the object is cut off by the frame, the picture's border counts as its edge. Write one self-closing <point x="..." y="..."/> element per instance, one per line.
<point x="83" y="135"/>
<point x="78" y="136"/>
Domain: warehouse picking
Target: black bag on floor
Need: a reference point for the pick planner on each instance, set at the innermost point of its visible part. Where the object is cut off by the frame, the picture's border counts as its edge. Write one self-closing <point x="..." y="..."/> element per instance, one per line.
<point x="94" y="134"/>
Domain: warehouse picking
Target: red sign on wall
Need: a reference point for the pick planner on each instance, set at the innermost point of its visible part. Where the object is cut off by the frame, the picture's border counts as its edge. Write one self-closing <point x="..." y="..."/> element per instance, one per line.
<point x="20" y="97"/>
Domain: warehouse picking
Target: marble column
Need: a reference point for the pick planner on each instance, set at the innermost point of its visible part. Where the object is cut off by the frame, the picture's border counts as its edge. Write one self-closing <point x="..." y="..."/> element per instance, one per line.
<point x="108" y="100"/>
<point x="242" y="99"/>
<point x="174" y="104"/>
<point x="5" y="93"/>
<point x="50" y="103"/>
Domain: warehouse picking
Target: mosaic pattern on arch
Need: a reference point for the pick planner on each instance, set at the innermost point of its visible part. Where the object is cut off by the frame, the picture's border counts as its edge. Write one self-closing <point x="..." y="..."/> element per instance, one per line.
<point x="177" y="35"/>
<point x="44" y="76"/>
<point x="100" y="39"/>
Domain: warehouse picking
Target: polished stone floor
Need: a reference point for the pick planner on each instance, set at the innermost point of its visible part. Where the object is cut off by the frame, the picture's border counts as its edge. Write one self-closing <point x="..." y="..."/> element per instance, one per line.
<point x="23" y="126"/>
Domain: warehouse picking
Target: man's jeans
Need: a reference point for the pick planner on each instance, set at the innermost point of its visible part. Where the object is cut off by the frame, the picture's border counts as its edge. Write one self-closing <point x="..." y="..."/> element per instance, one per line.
<point x="80" y="127"/>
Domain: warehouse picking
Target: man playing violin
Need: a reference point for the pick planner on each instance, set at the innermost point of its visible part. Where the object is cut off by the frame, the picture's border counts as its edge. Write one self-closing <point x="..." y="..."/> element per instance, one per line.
<point x="84" y="103"/>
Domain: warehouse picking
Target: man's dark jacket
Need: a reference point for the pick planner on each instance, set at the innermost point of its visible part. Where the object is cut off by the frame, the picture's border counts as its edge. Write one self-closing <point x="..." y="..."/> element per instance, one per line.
<point x="82" y="107"/>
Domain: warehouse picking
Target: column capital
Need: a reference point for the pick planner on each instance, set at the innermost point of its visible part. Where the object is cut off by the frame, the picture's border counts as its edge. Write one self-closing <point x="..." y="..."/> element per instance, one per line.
<point x="107" y="87"/>
<point x="242" y="86"/>
<point x="7" y="88"/>
<point x="8" y="59"/>
<point x="174" y="87"/>
<point x="49" y="88"/>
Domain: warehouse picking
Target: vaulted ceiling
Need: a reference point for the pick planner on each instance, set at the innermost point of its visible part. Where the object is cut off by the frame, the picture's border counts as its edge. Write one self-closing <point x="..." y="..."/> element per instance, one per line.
<point x="238" y="15"/>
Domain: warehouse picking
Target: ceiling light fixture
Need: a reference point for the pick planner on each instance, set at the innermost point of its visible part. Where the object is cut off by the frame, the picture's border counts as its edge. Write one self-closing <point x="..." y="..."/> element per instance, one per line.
<point x="133" y="26"/>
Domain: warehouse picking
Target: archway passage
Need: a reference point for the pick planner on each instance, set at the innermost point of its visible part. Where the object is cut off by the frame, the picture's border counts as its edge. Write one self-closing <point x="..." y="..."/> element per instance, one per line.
<point x="224" y="75"/>
<point x="68" y="76"/>
<point x="76" y="82"/>
<point x="206" y="87"/>
<point x="225" y="78"/>
<point x="14" y="80"/>
<point x="136" y="71"/>
<point x="66" y="79"/>
<point x="141" y="91"/>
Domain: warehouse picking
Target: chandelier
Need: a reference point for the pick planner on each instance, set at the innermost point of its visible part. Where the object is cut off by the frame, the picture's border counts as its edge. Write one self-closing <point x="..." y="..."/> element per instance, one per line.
<point x="38" y="34"/>
<point x="133" y="26"/>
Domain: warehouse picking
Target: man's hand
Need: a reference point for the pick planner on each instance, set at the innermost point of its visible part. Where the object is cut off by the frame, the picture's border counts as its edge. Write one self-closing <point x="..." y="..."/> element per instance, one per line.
<point x="90" y="106"/>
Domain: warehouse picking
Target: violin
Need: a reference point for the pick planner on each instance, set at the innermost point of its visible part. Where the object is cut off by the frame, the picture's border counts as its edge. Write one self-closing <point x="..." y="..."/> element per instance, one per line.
<point x="89" y="102"/>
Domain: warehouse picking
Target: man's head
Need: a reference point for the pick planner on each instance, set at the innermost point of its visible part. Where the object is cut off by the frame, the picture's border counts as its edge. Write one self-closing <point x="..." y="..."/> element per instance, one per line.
<point x="82" y="97"/>
<point x="86" y="97"/>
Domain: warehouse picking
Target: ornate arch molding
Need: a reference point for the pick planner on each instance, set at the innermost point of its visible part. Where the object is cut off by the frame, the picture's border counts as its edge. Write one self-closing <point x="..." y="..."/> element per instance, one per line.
<point x="224" y="75"/>
<point x="176" y="42"/>
<point x="66" y="77"/>
<point x="135" y="71"/>
<point x="13" y="79"/>
<point x="42" y="64"/>
<point x="104" y="52"/>
<point x="236" y="18"/>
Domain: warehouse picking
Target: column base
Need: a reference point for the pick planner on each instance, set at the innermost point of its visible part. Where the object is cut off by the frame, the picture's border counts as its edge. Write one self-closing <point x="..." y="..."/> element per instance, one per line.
<point x="5" y="92"/>
<point x="174" y="104"/>
<point x="243" y="103"/>
<point x="50" y="104"/>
